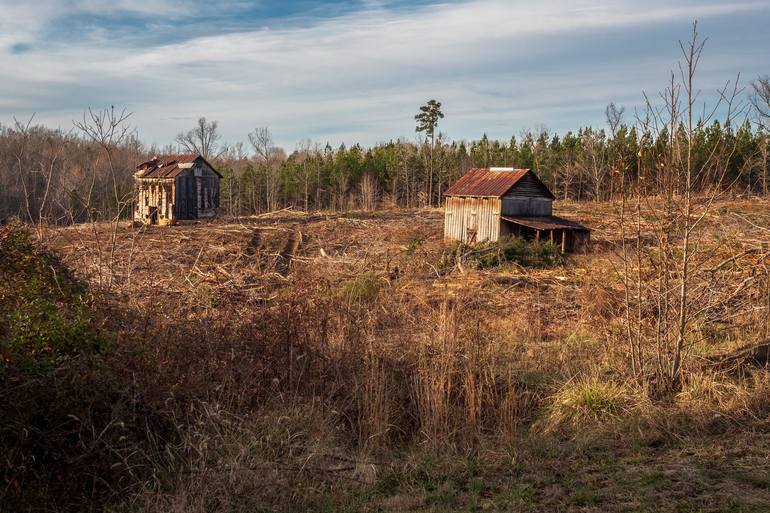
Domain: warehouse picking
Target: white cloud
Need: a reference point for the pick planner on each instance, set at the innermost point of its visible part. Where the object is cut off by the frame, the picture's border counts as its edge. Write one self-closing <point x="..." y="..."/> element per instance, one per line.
<point x="493" y="63"/>
<point x="24" y="20"/>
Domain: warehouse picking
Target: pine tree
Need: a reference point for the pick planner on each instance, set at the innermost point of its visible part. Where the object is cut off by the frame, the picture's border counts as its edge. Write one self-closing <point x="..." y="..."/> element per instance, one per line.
<point x="427" y="121"/>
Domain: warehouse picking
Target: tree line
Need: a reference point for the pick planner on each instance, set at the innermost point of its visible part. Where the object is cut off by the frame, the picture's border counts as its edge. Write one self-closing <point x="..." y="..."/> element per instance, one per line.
<point x="69" y="176"/>
<point x="590" y="164"/>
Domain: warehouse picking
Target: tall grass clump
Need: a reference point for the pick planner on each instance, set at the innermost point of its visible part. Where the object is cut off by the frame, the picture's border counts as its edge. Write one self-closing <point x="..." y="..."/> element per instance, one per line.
<point x="362" y="289"/>
<point x="277" y="460"/>
<point x="715" y="401"/>
<point x="590" y="401"/>
<point x="468" y="382"/>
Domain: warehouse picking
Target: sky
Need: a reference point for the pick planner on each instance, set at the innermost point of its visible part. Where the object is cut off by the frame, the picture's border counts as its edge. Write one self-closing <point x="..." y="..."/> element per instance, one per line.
<point x="357" y="72"/>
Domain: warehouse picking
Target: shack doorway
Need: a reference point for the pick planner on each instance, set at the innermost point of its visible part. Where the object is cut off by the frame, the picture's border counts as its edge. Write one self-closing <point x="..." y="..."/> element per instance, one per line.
<point x="153" y="215"/>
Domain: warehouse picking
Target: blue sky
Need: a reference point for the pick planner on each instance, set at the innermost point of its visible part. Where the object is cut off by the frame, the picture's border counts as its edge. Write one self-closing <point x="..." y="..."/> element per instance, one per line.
<point x="358" y="71"/>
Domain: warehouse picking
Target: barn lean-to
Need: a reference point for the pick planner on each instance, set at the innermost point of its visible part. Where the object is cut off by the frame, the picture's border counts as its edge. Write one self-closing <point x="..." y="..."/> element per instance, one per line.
<point x="487" y="204"/>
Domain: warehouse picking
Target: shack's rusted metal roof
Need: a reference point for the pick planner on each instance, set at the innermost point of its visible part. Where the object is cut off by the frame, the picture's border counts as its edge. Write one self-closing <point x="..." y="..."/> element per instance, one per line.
<point x="488" y="182"/>
<point x="159" y="168"/>
<point x="166" y="171"/>
<point x="168" y="166"/>
<point x="546" y="223"/>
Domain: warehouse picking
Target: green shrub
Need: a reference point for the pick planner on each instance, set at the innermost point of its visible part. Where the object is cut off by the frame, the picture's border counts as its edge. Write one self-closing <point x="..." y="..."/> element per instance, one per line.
<point x="42" y="335"/>
<point x="72" y="430"/>
<point x="412" y="246"/>
<point x="521" y="252"/>
<point x="45" y="314"/>
<point x="509" y="250"/>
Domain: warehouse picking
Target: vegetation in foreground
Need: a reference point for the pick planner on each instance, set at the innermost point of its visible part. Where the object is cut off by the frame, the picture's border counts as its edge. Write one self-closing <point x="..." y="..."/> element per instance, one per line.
<point x="222" y="369"/>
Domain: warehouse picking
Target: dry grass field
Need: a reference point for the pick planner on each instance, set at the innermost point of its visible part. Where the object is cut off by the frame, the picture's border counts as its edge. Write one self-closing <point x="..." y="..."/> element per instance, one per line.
<point x="352" y="362"/>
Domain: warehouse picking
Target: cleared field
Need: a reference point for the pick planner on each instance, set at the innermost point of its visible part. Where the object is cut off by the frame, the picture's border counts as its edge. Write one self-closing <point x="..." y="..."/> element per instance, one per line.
<point x="358" y="362"/>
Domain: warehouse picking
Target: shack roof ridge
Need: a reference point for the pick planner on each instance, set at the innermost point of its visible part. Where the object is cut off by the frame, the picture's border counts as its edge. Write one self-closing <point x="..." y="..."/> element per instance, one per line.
<point x="166" y="159"/>
<point x="486" y="182"/>
<point x="170" y="161"/>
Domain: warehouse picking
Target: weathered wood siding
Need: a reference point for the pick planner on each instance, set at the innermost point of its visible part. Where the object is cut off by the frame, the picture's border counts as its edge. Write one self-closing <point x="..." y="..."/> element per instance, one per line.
<point x="206" y="191"/>
<point x="527" y="207"/>
<point x="528" y="198"/>
<point x="155" y="198"/>
<point x="529" y="186"/>
<point x="185" y="208"/>
<point x="467" y="218"/>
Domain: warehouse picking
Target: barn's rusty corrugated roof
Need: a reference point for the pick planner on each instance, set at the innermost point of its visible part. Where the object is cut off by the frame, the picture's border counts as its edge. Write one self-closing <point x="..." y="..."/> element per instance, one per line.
<point x="546" y="223"/>
<point x="486" y="182"/>
<point x="168" y="166"/>
<point x="165" y="171"/>
<point x="158" y="168"/>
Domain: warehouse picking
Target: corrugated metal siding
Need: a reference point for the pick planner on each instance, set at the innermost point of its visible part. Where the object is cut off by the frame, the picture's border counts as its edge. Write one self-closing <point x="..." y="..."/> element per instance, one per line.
<point x="479" y="214"/>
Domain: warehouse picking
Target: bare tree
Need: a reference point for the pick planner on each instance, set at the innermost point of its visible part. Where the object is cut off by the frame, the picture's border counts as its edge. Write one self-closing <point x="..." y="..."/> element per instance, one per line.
<point x="21" y="144"/>
<point x="675" y="289"/>
<point x="593" y="159"/>
<point x="270" y="158"/>
<point x="203" y="139"/>
<point x="370" y="191"/>
<point x="303" y="154"/>
<point x="614" y="116"/>
<point x="107" y="128"/>
<point x="50" y="156"/>
<point x="761" y="101"/>
<point x="761" y="97"/>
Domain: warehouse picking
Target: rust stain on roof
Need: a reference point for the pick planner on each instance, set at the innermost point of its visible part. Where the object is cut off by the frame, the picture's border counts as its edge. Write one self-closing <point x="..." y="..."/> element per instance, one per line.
<point x="486" y="182"/>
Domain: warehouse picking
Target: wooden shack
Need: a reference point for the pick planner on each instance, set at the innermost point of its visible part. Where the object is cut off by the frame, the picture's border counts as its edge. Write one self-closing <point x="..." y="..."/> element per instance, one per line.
<point x="176" y="188"/>
<point x="492" y="203"/>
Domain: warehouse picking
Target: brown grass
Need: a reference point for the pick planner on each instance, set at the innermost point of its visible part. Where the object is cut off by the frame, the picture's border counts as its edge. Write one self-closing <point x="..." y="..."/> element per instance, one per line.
<point x="309" y="372"/>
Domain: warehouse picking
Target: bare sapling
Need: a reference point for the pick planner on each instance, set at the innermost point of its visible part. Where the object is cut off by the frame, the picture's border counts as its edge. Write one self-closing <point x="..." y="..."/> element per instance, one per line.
<point x="21" y="140"/>
<point x="670" y="295"/>
<point x="760" y="100"/>
<point x="108" y="129"/>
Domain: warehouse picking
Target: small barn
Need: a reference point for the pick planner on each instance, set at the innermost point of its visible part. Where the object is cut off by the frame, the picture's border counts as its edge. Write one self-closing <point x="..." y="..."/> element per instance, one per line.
<point x="175" y="188"/>
<point x="487" y="204"/>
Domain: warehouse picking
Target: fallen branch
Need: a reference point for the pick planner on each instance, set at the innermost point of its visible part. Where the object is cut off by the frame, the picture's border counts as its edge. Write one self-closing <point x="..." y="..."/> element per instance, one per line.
<point x="753" y="355"/>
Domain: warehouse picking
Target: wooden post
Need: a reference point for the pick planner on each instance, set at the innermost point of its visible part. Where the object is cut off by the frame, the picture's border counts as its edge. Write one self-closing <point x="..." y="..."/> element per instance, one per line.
<point x="172" y="202"/>
<point x="537" y="235"/>
<point x="563" y="241"/>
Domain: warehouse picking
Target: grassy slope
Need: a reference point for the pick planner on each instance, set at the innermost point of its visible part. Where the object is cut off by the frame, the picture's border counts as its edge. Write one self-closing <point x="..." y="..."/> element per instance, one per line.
<point x="381" y="276"/>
